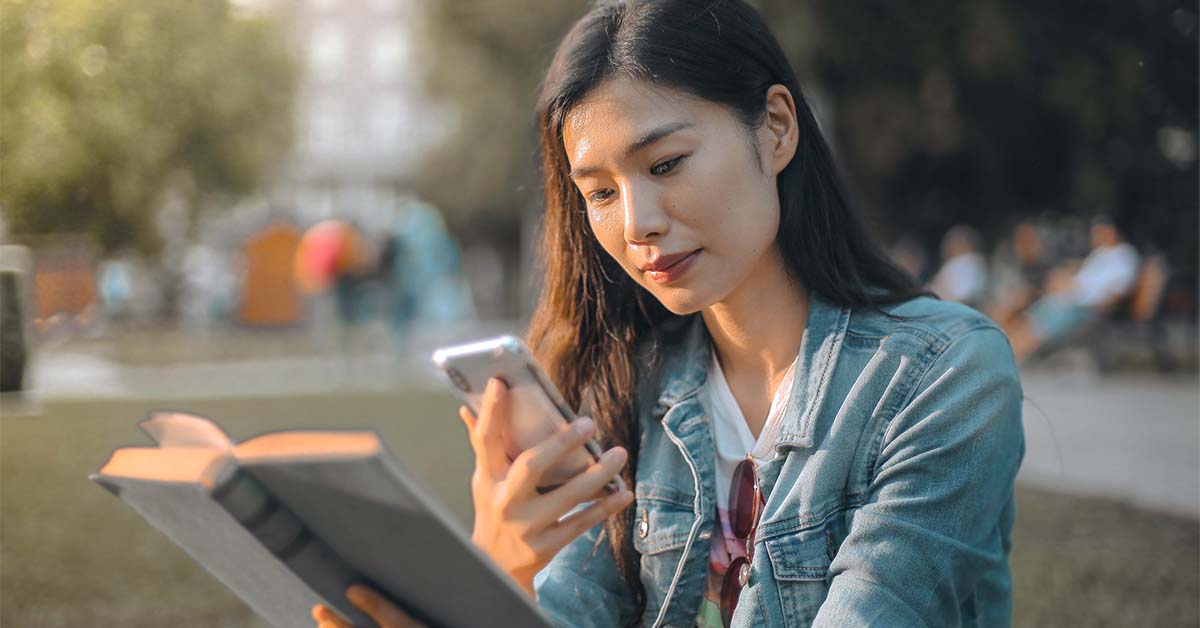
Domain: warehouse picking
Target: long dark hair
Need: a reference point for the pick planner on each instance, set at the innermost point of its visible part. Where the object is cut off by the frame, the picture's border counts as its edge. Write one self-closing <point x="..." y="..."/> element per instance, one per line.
<point x="592" y="316"/>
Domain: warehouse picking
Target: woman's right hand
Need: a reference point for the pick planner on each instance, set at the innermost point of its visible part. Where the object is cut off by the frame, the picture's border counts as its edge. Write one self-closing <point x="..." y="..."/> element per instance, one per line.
<point x="514" y="524"/>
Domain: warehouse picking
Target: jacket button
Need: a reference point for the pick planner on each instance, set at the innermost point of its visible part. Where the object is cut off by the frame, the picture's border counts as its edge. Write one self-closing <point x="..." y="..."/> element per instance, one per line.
<point x="643" y="527"/>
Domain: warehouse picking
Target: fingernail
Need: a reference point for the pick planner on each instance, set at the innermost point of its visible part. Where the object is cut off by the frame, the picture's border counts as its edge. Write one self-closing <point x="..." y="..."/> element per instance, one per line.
<point x="584" y="426"/>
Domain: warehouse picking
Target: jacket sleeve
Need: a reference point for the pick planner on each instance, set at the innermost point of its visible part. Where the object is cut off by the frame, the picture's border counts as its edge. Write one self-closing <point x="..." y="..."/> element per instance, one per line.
<point x="938" y="511"/>
<point x="581" y="587"/>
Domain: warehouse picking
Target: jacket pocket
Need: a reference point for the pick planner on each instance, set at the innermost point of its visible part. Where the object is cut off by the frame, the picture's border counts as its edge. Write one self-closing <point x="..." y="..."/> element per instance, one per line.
<point x="660" y="525"/>
<point x="800" y="562"/>
<point x="799" y="556"/>
<point x="660" y="531"/>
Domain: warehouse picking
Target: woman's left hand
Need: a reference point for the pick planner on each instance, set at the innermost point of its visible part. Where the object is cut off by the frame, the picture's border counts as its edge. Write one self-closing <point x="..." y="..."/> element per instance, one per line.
<point x="374" y="605"/>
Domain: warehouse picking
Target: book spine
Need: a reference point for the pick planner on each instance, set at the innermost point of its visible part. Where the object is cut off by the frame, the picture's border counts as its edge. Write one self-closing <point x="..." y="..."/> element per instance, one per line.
<point x="286" y="536"/>
<point x="279" y="530"/>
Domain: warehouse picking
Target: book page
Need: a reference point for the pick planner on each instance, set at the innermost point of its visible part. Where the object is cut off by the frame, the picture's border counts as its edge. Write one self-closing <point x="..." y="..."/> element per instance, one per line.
<point x="180" y="429"/>
<point x="172" y="464"/>
<point x="280" y="447"/>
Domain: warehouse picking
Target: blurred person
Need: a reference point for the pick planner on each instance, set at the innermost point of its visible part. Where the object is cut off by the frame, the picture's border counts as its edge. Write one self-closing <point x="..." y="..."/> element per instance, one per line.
<point x="209" y="287"/>
<point x="128" y="289"/>
<point x="1020" y="273"/>
<point x="115" y="286"/>
<point x="811" y="439"/>
<point x="335" y="260"/>
<point x="1079" y="294"/>
<point x="907" y="253"/>
<point x="963" y="275"/>
<point x="420" y="265"/>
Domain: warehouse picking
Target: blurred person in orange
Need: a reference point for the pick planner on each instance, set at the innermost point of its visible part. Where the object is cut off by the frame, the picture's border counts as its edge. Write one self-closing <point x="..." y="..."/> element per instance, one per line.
<point x="328" y="250"/>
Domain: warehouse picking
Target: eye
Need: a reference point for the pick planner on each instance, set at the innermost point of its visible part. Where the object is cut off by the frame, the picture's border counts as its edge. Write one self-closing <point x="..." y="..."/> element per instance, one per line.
<point x="665" y="167"/>
<point x="599" y="196"/>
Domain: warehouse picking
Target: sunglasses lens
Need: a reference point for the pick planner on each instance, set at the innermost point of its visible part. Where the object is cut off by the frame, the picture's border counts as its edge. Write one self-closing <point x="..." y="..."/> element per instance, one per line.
<point x="741" y="500"/>
<point x="731" y="589"/>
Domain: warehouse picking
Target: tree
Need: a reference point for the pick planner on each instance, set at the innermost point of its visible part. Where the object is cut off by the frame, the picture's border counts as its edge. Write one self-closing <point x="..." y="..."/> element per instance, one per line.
<point x="984" y="111"/>
<point x="485" y="60"/>
<point x="108" y="107"/>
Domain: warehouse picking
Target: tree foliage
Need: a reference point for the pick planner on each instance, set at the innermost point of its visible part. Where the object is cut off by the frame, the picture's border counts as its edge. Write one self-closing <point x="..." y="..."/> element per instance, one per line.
<point x="106" y="107"/>
<point x="484" y="61"/>
<point x="981" y="112"/>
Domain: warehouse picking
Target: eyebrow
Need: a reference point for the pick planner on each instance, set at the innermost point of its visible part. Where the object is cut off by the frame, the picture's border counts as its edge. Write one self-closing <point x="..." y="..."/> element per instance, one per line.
<point x="642" y="142"/>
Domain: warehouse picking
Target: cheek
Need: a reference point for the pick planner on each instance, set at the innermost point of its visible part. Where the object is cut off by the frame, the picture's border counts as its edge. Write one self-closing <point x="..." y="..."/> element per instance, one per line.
<point x="739" y="214"/>
<point x="603" y="221"/>
<point x="608" y="230"/>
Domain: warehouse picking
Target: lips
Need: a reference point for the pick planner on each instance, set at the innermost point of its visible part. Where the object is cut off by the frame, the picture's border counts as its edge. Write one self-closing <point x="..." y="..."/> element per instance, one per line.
<point x="668" y="268"/>
<point x="663" y="262"/>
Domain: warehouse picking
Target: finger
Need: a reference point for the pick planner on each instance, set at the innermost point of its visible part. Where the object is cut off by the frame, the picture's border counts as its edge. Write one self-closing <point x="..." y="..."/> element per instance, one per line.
<point x="600" y="494"/>
<point x="468" y="418"/>
<point x="493" y="419"/>
<point x="583" y="486"/>
<point x="326" y="618"/>
<point x="533" y="463"/>
<point x="567" y="530"/>
<point x="379" y="608"/>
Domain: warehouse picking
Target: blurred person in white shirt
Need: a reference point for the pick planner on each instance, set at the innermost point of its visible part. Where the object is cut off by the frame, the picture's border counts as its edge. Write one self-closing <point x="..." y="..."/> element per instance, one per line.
<point x="1077" y="295"/>
<point x="963" y="275"/>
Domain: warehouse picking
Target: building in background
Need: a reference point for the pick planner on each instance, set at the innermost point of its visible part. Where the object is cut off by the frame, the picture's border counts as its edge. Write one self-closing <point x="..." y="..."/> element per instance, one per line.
<point x="361" y="117"/>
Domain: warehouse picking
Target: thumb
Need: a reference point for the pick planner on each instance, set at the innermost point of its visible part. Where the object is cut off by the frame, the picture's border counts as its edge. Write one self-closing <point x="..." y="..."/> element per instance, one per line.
<point x="380" y="609"/>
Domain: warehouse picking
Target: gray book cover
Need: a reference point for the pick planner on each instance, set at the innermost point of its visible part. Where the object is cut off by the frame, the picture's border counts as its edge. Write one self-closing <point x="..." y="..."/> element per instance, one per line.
<point x="288" y="520"/>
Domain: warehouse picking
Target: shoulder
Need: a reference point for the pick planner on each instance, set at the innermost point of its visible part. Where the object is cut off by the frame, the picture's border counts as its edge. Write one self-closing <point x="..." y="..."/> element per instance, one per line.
<point x="943" y="369"/>
<point x="937" y="335"/>
<point x="1128" y="252"/>
<point x="938" y="323"/>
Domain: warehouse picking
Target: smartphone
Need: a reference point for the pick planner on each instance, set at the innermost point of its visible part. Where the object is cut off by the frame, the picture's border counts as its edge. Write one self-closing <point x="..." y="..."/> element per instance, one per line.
<point x="538" y="410"/>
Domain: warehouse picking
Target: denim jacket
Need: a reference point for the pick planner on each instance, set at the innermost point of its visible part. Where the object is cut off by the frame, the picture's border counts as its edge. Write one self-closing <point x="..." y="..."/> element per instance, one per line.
<point x="890" y="502"/>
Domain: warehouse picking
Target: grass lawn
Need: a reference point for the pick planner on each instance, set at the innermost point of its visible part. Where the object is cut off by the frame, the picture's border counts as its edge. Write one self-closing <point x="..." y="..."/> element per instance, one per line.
<point x="72" y="555"/>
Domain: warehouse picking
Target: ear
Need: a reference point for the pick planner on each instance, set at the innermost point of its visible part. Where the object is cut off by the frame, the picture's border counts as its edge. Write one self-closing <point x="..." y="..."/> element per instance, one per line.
<point x="780" y="131"/>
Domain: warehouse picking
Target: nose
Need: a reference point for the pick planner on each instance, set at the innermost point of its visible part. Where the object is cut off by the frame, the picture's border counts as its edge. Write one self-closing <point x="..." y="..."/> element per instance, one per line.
<point x="645" y="217"/>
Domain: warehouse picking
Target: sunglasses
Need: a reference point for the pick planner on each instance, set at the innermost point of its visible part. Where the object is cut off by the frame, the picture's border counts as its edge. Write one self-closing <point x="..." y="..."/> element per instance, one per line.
<point x="745" y="506"/>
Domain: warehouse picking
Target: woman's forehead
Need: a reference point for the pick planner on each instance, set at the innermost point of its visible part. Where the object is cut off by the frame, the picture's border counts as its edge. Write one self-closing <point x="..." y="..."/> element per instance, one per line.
<point x="620" y="111"/>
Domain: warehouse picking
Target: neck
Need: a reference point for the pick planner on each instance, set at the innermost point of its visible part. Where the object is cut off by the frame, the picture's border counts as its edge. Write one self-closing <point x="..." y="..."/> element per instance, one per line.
<point x="757" y="328"/>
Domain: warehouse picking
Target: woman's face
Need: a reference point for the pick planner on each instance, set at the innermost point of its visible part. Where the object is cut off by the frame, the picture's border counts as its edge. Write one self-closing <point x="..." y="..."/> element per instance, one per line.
<point x="677" y="191"/>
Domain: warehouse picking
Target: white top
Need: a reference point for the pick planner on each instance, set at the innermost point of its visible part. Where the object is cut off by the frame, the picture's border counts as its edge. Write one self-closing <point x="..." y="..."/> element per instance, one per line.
<point x="962" y="278"/>
<point x="732" y="439"/>
<point x="1106" y="272"/>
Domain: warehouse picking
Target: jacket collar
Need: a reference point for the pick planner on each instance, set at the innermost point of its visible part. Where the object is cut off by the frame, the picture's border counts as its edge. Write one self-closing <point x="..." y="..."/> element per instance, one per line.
<point x="819" y="349"/>
<point x="685" y="367"/>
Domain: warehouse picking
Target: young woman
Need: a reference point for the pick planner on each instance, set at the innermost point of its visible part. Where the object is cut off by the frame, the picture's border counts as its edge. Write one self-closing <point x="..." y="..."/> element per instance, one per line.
<point x="809" y="441"/>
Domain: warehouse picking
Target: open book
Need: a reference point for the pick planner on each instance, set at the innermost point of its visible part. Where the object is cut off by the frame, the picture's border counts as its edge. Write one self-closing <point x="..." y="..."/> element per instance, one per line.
<point x="290" y="519"/>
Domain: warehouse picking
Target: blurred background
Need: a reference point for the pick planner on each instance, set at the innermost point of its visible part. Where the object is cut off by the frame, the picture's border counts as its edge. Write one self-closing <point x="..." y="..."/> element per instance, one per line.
<point x="269" y="212"/>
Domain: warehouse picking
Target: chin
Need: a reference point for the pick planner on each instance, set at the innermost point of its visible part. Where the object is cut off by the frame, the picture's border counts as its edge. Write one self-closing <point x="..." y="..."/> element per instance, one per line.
<point x="682" y="302"/>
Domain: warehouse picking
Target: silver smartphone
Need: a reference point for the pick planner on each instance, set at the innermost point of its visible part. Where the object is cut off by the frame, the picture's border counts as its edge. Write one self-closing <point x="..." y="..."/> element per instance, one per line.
<point x="538" y="410"/>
